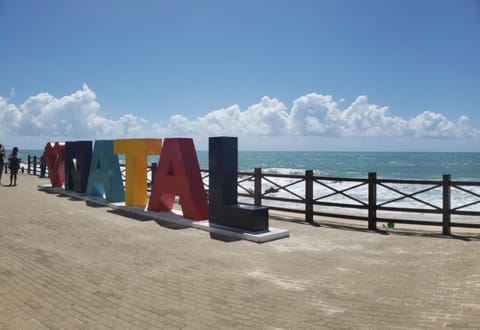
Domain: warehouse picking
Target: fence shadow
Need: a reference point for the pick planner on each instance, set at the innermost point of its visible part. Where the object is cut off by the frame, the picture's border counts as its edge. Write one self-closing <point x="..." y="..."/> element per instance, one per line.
<point x="382" y="230"/>
<point x="467" y="237"/>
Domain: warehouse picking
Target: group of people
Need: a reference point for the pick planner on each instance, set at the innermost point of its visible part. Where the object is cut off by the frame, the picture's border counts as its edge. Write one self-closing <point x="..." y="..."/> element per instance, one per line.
<point x="13" y="160"/>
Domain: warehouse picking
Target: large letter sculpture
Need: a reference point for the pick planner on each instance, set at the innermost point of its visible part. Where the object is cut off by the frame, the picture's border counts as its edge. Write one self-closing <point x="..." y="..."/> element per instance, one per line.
<point x="223" y="195"/>
<point x="136" y="151"/>
<point x="105" y="178"/>
<point x="78" y="155"/>
<point x="55" y="159"/>
<point x="178" y="174"/>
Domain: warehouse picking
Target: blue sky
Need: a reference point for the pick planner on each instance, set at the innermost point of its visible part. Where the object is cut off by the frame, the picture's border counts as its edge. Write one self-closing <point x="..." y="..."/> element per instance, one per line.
<point x="313" y="75"/>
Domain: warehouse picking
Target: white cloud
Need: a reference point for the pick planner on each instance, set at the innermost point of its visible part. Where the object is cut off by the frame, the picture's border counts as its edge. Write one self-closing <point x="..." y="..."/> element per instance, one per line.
<point x="77" y="116"/>
<point x="364" y="119"/>
<point x="269" y="117"/>
<point x="265" y="118"/>
<point x="429" y="124"/>
<point x="314" y="114"/>
<point x="9" y="116"/>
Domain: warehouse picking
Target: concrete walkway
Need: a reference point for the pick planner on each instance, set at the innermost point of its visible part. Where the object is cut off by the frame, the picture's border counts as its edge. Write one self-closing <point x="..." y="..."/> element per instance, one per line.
<point x="64" y="264"/>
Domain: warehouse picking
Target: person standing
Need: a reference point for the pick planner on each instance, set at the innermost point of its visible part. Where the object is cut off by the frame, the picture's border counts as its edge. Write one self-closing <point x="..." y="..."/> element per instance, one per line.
<point x="14" y="164"/>
<point x="2" y="161"/>
<point x="43" y="165"/>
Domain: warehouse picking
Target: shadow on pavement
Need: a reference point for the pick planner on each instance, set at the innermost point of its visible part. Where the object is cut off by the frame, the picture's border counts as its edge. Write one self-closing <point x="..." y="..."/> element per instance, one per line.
<point x="380" y="230"/>
<point x="142" y="218"/>
<point x="224" y="238"/>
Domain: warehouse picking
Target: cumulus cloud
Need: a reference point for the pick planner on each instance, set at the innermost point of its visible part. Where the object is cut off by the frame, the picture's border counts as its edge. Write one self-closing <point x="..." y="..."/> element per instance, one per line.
<point x="316" y="114"/>
<point x="319" y="115"/>
<point x="78" y="116"/>
<point x="364" y="119"/>
<point x="269" y="117"/>
<point x="429" y="124"/>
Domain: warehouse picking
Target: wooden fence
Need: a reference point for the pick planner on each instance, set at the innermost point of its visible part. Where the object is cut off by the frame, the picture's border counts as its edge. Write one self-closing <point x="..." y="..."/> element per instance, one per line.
<point x="364" y="199"/>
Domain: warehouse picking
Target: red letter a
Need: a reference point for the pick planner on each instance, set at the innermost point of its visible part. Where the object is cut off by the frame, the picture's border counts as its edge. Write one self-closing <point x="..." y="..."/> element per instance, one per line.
<point x="179" y="174"/>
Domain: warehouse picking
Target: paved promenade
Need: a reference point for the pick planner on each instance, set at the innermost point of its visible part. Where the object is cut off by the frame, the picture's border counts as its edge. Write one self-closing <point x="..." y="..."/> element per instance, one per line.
<point x="67" y="265"/>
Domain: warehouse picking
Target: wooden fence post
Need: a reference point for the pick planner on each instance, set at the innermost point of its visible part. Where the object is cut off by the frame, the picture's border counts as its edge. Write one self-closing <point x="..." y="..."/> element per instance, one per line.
<point x="28" y="164"/>
<point x="309" y="196"/>
<point x="446" y="204"/>
<point x="372" y="201"/>
<point x="257" y="189"/>
<point x="34" y="165"/>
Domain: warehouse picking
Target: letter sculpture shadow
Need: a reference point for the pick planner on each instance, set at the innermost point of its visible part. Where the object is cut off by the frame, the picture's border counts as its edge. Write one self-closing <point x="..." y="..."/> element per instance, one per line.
<point x="105" y="178"/>
<point x="55" y="159"/>
<point x="178" y="174"/>
<point x="78" y="155"/>
<point x="223" y="195"/>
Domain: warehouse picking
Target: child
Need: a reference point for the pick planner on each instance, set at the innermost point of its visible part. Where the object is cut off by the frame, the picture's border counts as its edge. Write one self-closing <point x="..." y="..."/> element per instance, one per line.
<point x="2" y="160"/>
<point x="43" y="165"/>
<point x="14" y="164"/>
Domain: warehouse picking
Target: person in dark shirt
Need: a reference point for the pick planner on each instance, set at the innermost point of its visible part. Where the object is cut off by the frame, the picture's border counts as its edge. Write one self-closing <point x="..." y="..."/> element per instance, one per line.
<point x="43" y="165"/>
<point x="2" y="161"/>
<point x="14" y="165"/>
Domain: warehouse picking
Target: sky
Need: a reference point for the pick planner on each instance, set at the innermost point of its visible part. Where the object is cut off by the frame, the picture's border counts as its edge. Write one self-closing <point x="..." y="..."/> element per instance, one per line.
<point x="326" y="75"/>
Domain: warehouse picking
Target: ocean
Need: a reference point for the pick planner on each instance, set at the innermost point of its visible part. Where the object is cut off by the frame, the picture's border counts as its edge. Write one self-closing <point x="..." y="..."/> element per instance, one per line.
<point x="461" y="166"/>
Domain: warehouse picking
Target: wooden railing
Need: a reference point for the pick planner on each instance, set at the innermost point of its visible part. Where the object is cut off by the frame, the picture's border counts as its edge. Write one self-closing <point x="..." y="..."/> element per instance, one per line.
<point x="362" y="199"/>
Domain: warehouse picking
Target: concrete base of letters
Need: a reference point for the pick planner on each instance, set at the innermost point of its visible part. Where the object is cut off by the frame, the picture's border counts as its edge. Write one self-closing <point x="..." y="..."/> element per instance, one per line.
<point x="175" y="217"/>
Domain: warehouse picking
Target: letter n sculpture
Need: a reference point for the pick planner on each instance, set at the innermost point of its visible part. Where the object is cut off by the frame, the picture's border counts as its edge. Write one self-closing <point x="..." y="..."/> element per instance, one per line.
<point x="78" y="155"/>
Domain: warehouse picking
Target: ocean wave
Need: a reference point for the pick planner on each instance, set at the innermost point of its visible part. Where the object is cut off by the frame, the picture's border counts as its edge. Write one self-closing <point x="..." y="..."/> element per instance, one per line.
<point x="283" y="171"/>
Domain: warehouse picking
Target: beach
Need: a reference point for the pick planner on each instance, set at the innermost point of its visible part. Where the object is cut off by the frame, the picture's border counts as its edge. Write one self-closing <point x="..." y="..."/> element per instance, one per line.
<point x="68" y="265"/>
